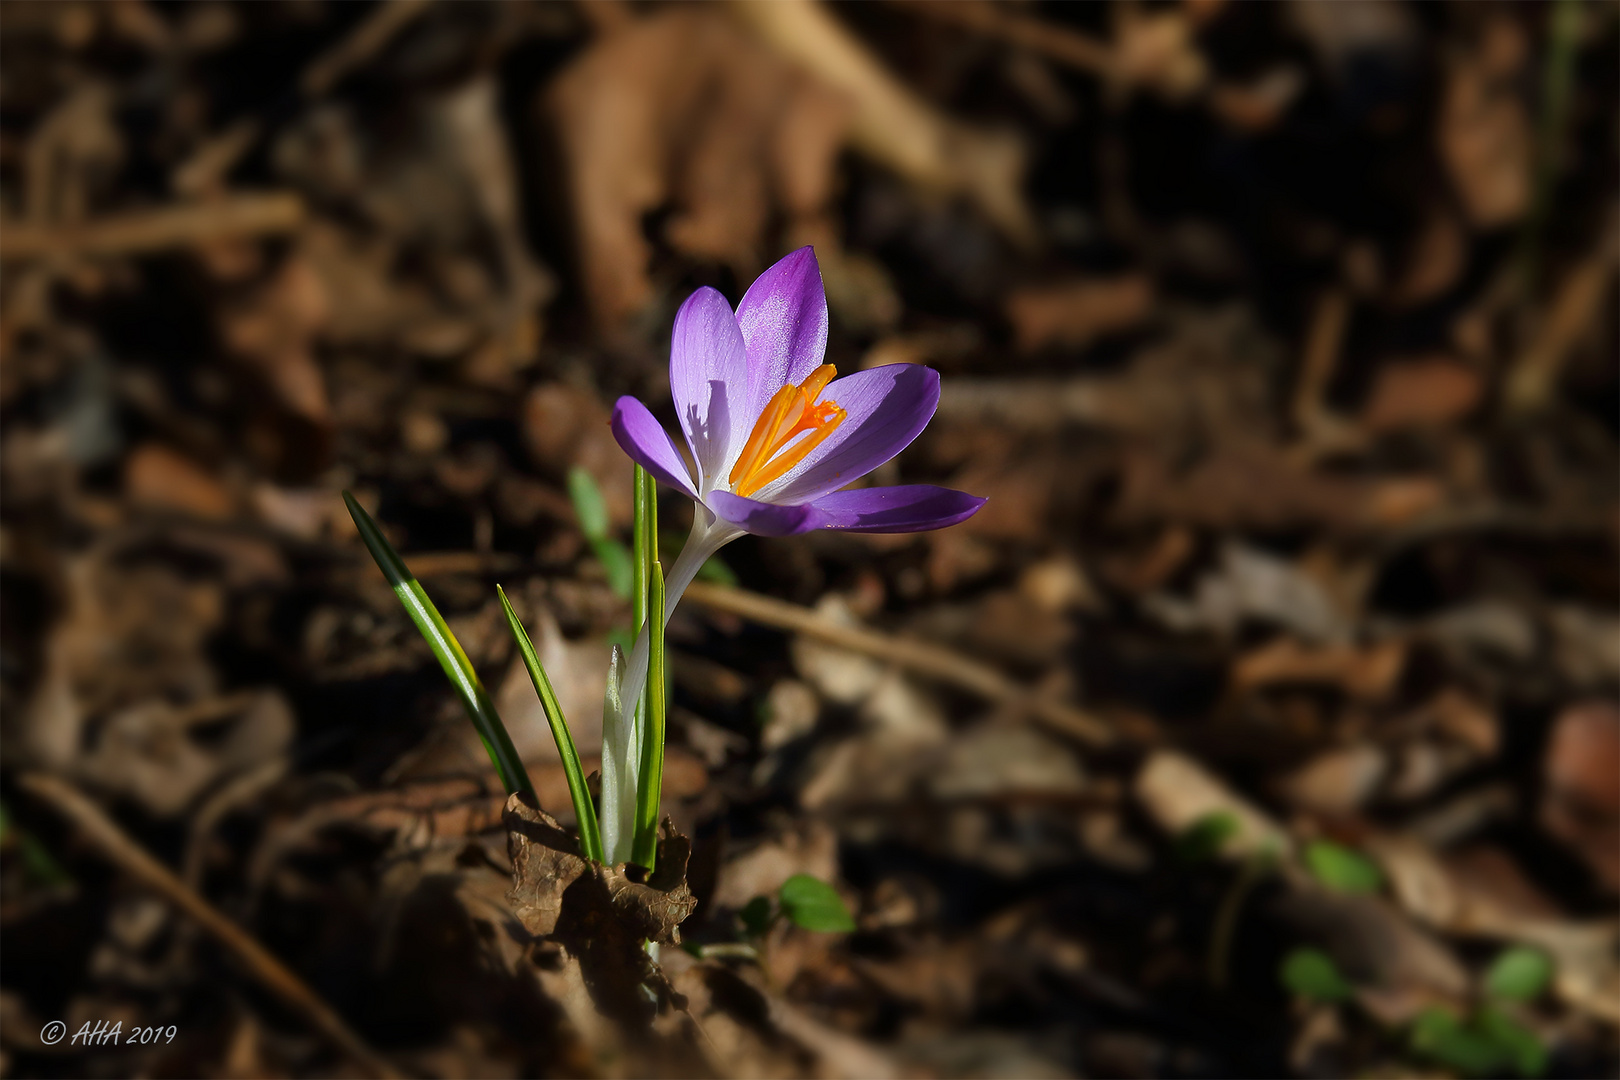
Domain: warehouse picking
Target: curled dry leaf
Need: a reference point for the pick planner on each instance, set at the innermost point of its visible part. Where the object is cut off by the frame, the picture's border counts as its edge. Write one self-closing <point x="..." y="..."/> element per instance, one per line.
<point x="811" y="848"/>
<point x="1484" y="137"/>
<point x="1369" y="672"/>
<point x="1424" y="393"/>
<point x="274" y="331"/>
<point x="685" y="109"/>
<point x="1178" y="792"/>
<point x="158" y="755"/>
<point x="1582" y="804"/>
<point x="597" y="914"/>
<point x="892" y="124"/>
<point x="131" y="632"/>
<point x="1157" y="51"/>
<point x="163" y="479"/>
<point x="1337" y="781"/>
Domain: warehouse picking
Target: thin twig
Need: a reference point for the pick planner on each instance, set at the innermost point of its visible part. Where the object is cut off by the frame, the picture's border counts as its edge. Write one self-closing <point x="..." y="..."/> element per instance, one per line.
<point x="158" y="229"/>
<point x="1320" y="358"/>
<point x="123" y="850"/>
<point x="1570" y="314"/>
<point x="933" y="661"/>
<point x="1077" y="50"/>
<point x="379" y="27"/>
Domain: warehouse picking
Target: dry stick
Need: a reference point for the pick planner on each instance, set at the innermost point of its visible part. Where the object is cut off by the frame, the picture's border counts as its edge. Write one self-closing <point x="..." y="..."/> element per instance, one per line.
<point x="367" y="39"/>
<point x="121" y="849"/>
<point x="205" y="169"/>
<point x="891" y="123"/>
<point x="943" y="665"/>
<point x="154" y="230"/>
<point x="1323" y="344"/>
<point x="1574" y="307"/>
<point x="995" y="20"/>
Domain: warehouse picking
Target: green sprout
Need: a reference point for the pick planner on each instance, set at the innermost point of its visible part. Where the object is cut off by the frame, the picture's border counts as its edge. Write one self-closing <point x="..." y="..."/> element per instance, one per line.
<point x="446" y="649"/>
<point x="591" y="510"/>
<point x="644" y="583"/>
<point x="1341" y="869"/>
<point x="1311" y="974"/>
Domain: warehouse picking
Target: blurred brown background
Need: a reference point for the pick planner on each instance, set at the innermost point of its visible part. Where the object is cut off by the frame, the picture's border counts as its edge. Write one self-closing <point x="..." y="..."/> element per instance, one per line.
<point x="1281" y="336"/>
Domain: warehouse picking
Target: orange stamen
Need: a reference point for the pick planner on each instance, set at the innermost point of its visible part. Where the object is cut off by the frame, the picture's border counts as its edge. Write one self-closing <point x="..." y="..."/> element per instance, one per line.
<point x="792" y="411"/>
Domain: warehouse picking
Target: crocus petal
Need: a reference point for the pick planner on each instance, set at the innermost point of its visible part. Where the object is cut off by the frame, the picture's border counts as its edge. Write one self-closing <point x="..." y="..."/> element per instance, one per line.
<point x="908" y="508"/>
<point x="764" y="519"/>
<point x="708" y="377"/>
<point x="644" y="439"/>
<point x="887" y="407"/>
<point x="783" y="318"/>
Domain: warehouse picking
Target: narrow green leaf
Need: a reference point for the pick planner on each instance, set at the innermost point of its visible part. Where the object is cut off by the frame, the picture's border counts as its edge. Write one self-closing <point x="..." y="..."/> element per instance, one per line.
<point x="1342" y="869"/>
<point x="618" y="564"/>
<point x="650" y="781"/>
<point x="1312" y="974"/>
<point x="610" y="813"/>
<point x="1205" y="838"/>
<point x="590" y="835"/>
<point x="589" y="506"/>
<point x="1517" y="1043"/>
<point x="1519" y="974"/>
<point x="448" y="651"/>
<point x="814" y="905"/>
<point x="639" y="562"/>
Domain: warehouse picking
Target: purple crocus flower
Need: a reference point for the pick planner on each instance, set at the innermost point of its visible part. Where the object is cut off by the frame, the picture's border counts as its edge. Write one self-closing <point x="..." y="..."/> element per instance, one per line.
<point x="774" y="437"/>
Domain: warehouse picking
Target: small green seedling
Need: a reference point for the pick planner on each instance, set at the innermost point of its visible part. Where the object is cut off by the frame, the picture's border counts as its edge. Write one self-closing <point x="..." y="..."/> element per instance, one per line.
<point x="1519" y="974"/>
<point x="1341" y="869"/>
<point x="1311" y="974"/>
<point x="805" y="901"/>
<point x="1488" y="1044"/>
<point x="591" y="510"/>
<point x="1204" y="838"/>
<point x="812" y="904"/>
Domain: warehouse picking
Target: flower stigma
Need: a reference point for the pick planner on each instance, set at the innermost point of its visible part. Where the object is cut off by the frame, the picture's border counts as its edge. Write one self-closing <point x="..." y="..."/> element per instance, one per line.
<point x="792" y="410"/>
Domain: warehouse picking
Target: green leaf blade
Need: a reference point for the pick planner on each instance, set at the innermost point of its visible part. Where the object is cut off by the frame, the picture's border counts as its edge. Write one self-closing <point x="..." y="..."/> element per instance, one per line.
<point x="1519" y="974"/>
<point x="1439" y="1035"/>
<point x="1517" y="1043"/>
<point x="589" y="505"/>
<point x="618" y="564"/>
<point x="812" y="904"/>
<point x="638" y="562"/>
<point x="446" y="649"/>
<point x="650" y="780"/>
<point x="1312" y="974"/>
<point x="1341" y="869"/>
<point x="1206" y="837"/>
<point x="590" y="834"/>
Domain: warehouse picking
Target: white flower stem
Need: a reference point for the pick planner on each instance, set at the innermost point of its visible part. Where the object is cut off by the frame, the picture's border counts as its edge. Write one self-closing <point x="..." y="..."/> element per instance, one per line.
<point x="621" y="734"/>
